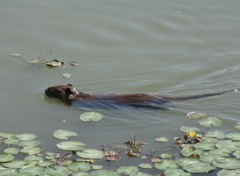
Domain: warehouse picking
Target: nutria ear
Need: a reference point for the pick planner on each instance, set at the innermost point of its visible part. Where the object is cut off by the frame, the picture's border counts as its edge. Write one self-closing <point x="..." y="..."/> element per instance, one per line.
<point x="70" y="85"/>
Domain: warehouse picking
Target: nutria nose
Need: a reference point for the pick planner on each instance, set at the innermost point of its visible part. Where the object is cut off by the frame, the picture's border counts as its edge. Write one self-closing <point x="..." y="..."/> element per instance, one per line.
<point x="47" y="92"/>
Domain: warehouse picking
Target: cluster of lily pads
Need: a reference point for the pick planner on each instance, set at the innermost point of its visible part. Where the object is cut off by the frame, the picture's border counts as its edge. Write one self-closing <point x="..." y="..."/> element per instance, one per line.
<point x="198" y="152"/>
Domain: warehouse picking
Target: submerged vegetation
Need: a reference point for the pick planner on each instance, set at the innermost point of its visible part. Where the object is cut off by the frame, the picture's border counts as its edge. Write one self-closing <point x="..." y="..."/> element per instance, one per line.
<point x="195" y="152"/>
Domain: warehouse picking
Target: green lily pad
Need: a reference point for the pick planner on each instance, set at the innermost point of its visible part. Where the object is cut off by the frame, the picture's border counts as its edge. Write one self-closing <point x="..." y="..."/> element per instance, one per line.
<point x="16" y="164"/>
<point x="8" y="172"/>
<point x="204" y="146"/>
<point x="6" y="158"/>
<point x="64" y="134"/>
<point x="228" y="145"/>
<point x="45" y="163"/>
<point x="25" y="144"/>
<point x="208" y="158"/>
<point x="161" y="139"/>
<point x="190" y="151"/>
<point x="31" y="150"/>
<point x="7" y="135"/>
<point x="50" y="155"/>
<point x="11" y="141"/>
<point x="211" y="122"/>
<point x="198" y="167"/>
<point x="71" y="145"/>
<point x="127" y="170"/>
<point x="96" y="167"/>
<point x="196" y="116"/>
<point x="233" y="136"/>
<point x="187" y="129"/>
<point x="57" y="170"/>
<point x="166" y="155"/>
<point x="33" y="158"/>
<point x="210" y="140"/>
<point x="145" y="166"/>
<point x="140" y="174"/>
<point x="33" y="170"/>
<point x="237" y="126"/>
<point x="237" y="154"/>
<point x="215" y="134"/>
<point x="227" y="163"/>
<point x="79" y="166"/>
<point x="166" y="164"/>
<point x="91" y="116"/>
<point x="176" y="172"/>
<point x="91" y="154"/>
<point x="11" y="150"/>
<point x="225" y="172"/>
<point x="184" y="161"/>
<point x="26" y="137"/>
<point x="80" y="174"/>
<point x="220" y="152"/>
<point x="104" y="173"/>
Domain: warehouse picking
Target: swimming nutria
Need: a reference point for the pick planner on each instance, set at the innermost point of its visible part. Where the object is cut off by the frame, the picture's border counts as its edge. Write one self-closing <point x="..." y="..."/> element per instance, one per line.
<point x="70" y="95"/>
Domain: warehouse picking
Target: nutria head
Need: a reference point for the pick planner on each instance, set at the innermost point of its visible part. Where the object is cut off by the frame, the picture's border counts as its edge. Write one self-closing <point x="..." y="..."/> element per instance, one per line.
<point x="62" y="92"/>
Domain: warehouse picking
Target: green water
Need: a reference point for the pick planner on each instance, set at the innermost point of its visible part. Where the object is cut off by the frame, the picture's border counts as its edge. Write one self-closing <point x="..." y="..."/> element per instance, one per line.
<point x="168" y="48"/>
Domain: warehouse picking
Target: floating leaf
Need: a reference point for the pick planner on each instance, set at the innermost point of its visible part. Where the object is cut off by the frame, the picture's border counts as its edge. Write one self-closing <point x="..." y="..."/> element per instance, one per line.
<point x="187" y="129"/>
<point x="71" y="145"/>
<point x="210" y="140"/>
<point x="196" y="116"/>
<point x="215" y="134"/>
<point x="225" y="172"/>
<point x="166" y="155"/>
<point x="64" y="134"/>
<point x="91" y="154"/>
<point x="45" y="163"/>
<point x="91" y="116"/>
<point x="26" y="137"/>
<point x="96" y="167"/>
<point x="234" y="136"/>
<point x="166" y="164"/>
<point x="161" y="139"/>
<point x="7" y="135"/>
<point x="33" y="170"/>
<point x="6" y="158"/>
<point x="31" y="150"/>
<point x="8" y="172"/>
<point x="104" y="173"/>
<point x="220" y="152"/>
<point x="127" y="170"/>
<point x="227" y="163"/>
<point x="140" y="174"/>
<point x="25" y="144"/>
<point x="185" y="161"/>
<point x="209" y="158"/>
<point x="80" y="174"/>
<point x="190" y="151"/>
<point x="145" y="166"/>
<point x="11" y="150"/>
<point x="237" y="126"/>
<point x="211" y="122"/>
<point x="198" y="167"/>
<point x="11" y="141"/>
<point x="57" y="170"/>
<point x="16" y="164"/>
<point x="228" y="145"/>
<point x="33" y="158"/>
<point x="79" y="166"/>
<point x="237" y="154"/>
<point x="204" y="146"/>
<point x="176" y="172"/>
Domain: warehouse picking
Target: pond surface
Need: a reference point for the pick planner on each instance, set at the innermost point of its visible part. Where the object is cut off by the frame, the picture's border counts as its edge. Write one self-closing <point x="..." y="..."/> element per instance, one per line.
<point x="168" y="48"/>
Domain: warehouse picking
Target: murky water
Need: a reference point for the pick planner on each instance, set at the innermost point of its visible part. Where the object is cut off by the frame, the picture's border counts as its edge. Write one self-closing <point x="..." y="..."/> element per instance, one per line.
<point x="168" y="48"/>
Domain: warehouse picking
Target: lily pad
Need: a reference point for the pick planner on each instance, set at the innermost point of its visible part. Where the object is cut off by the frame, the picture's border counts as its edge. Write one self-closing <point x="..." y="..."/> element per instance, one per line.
<point x="198" y="167"/>
<point x="228" y="145"/>
<point x="64" y="134"/>
<point x="190" y="151"/>
<point x="237" y="154"/>
<point x="31" y="150"/>
<point x="209" y="158"/>
<point x="16" y="164"/>
<point x="196" y="116"/>
<point x="57" y="170"/>
<point x="176" y="172"/>
<point x="127" y="170"/>
<point x="33" y="170"/>
<point x="11" y="150"/>
<point x="26" y="137"/>
<point x="211" y="122"/>
<point x="225" y="172"/>
<point x="6" y="158"/>
<point x="91" y="154"/>
<point x="71" y="145"/>
<point x="210" y="140"/>
<point x="104" y="173"/>
<point x="7" y="135"/>
<point x="145" y="166"/>
<point x="33" y="158"/>
<point x="11" y="141"/>
<point x="234" y="136"/>
<point x="187" y="129"/>
<point x="166" y="164"/>
<point x="161" y="139"/>
<point x="184" y="161"/>
<point x="204" y="146"/>
<point x="237" y="126"/>
<point x="91" y="116"/>
<point x="227" y="163"/>
<point x="79" y="166"/>
<point x="96" y="167"/>
<point x="216" y="134"/>
<point x="8" y="172"/>
<point x="25" y="144"/>
<point x="166" y="155"/>
<point x="220" y="152"/>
